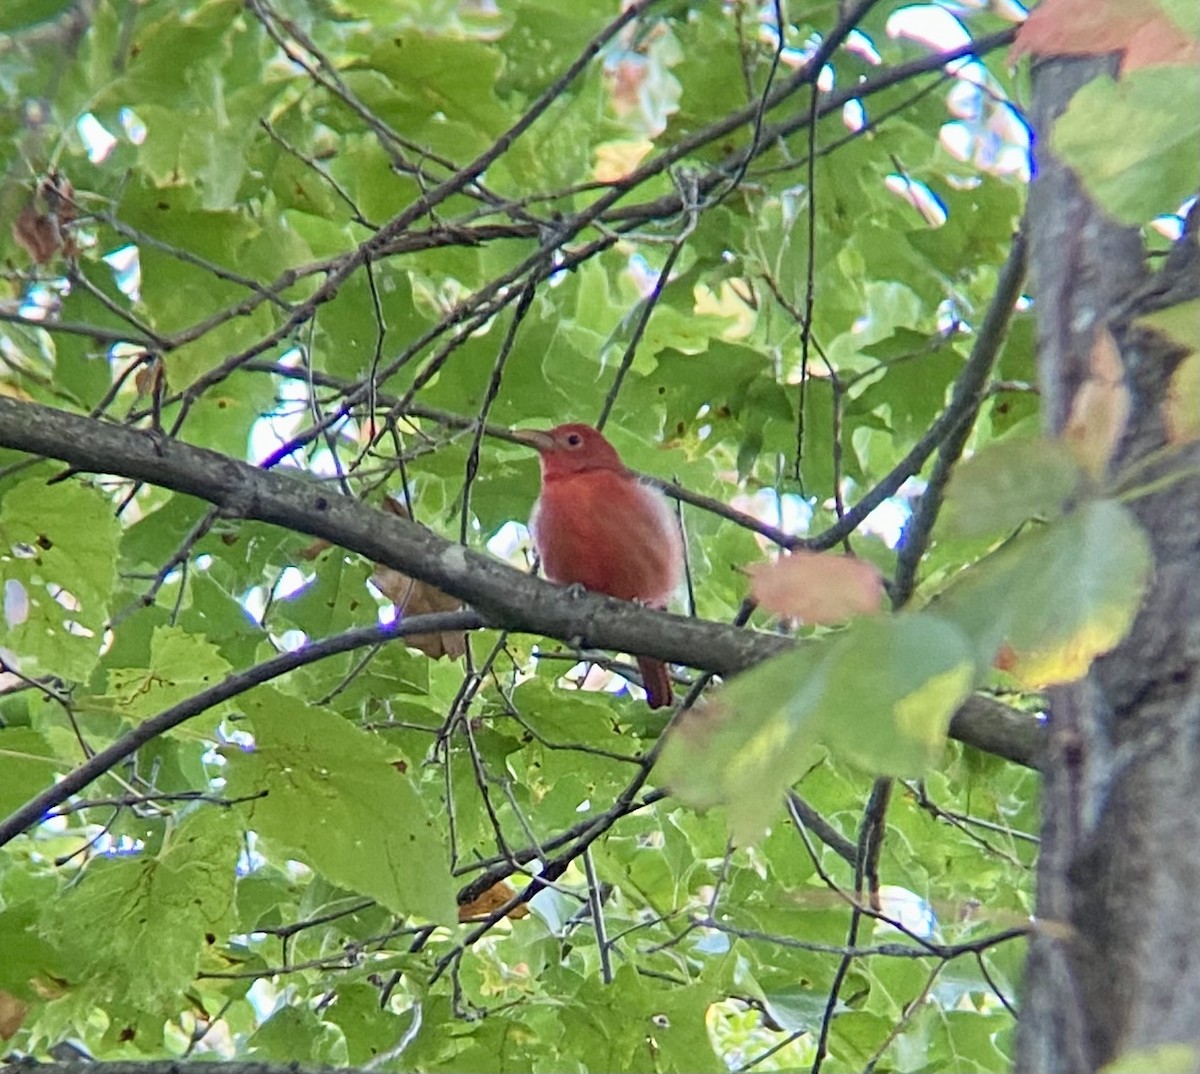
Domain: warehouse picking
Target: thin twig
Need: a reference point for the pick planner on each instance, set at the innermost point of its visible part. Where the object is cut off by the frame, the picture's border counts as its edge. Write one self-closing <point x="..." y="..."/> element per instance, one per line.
<point x="74" y="781"/>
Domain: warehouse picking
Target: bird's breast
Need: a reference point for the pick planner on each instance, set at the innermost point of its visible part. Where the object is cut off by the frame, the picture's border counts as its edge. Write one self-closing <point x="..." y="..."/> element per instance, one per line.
<point x="611" y="534"/>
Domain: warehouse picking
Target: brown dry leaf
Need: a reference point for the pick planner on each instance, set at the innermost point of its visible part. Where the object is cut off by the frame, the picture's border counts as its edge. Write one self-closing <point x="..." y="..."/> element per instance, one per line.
<point x="12" y="1014"/>
<point x="413" y="597"/>
<point x="151" y="377"/>
<point x="491" y="900"/>
<point x="311" y="551"/>
<point x="41" y="226"/>
<point x="1138" y="29"/>
<point x="1100" y="409"/>
<point x="818" y="588"/>
<point x="59" y="195"/>
<point x="38" y="233"/>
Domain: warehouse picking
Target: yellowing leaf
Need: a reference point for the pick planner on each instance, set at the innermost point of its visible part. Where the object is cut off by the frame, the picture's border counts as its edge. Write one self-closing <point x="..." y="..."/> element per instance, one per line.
<point x="1157" y="1059"/>
<point x="615" y="160"/>
<point x="1100" y="409"/>
<point x="1181" y="407"/>
<point x="894" y="684"/>
<point x="1051" y="601"/>
<point x="818" y="588"/>
<point x="755" y="740"/>
<point x="880" y="694"/>
<point x="1154" y="165"/>
<point x="1179" y="323"/>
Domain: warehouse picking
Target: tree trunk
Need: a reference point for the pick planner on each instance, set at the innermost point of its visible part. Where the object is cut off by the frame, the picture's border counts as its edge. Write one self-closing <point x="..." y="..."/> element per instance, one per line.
<point x="1115" y="964"/>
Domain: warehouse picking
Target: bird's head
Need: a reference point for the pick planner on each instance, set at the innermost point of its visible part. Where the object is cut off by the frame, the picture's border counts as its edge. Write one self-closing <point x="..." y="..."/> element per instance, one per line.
<point x="571" y="449"/>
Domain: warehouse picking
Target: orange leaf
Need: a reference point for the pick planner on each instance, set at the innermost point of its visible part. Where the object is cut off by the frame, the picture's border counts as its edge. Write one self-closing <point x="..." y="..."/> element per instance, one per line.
<point x="491" y="900"/>
<point x="1100" y="409"/>
<point x="817" y="588"/>
<point x="1137" y="29"/>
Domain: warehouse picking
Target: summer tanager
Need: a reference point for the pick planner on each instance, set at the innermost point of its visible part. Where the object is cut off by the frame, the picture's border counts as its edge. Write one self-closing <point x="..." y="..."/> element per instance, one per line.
<point x="596" y="525"/>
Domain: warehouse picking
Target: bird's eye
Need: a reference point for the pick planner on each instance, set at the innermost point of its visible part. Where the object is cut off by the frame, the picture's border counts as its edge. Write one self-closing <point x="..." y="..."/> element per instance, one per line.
<point x="574" y="440"/>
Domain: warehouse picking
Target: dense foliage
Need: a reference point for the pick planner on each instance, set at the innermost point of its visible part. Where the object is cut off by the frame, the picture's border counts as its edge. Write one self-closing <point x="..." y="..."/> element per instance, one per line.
<point x="355" y="241"/>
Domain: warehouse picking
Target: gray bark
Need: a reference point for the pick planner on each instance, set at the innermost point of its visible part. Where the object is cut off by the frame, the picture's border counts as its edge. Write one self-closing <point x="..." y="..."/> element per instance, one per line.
<point x="1114" y="966"/>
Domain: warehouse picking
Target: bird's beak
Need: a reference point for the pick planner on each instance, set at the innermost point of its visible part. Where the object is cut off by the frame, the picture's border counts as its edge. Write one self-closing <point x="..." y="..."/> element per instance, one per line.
<point x="537" y="439"/>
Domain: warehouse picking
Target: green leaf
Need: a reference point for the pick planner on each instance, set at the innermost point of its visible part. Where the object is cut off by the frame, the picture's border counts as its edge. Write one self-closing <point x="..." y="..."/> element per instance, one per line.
<point x="157" y="913"/>
<point x="1184" y="14"/>
<point x="1054" y="599"/>
<point x="1180" y="323"/>
<point x="1153" y="166"/>
<point x="882" y="693"/>
<point x="294" y="1034"/>
<point x="58" y="551"/>
<point x="797" y="1009"/>
<point x="710" y="76"/>
<point x="181" y="664"/>
<point x="893" y="685"/>
<point x="22" y="14"/>
<point x="441" y="83"/>
<point x="27" y="766"/>
<point x="31" y="960"/>
<point x="1008" y="483"/>
<point x="367" y="1030"/>
<point x="336" y="802"/>
<point x="916" y="371"/>
<point x="541" y="33"/>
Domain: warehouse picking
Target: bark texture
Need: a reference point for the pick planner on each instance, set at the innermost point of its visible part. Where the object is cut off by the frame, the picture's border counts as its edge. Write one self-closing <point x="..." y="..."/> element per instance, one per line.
<point x="1115" y="965"/>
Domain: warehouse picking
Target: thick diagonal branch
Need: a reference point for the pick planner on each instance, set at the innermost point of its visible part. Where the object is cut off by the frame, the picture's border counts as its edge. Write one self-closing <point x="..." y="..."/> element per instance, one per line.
<point x="503" y="596"/>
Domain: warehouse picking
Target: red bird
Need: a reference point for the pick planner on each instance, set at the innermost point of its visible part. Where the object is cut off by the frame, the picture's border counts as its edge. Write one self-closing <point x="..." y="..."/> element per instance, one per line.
<point x="596" y="525"/>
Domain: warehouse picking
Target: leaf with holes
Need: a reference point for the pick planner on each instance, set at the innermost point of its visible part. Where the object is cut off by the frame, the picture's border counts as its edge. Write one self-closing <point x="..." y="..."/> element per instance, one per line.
<point x="58" y="552"/>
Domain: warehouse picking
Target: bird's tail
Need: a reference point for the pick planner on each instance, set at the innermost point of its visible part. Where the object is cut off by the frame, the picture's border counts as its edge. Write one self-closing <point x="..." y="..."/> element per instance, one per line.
<point x="657" y="681"/>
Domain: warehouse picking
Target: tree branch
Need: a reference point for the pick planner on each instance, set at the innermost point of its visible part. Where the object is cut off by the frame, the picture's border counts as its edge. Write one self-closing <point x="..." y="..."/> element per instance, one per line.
<point x="95" y="766"/>
<point x="970" y="389"/>
<point x="504" y="597"/>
